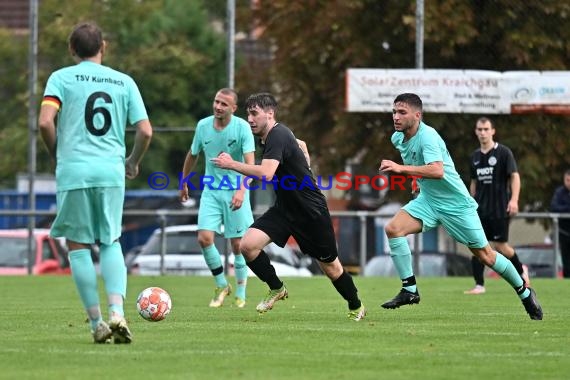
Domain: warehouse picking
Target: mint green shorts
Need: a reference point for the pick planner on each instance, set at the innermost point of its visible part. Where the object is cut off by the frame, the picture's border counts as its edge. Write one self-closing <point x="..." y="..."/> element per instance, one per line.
<point x="89" y="215"/>
<point x="464" y="225"/>
<point x="215" y="210"/>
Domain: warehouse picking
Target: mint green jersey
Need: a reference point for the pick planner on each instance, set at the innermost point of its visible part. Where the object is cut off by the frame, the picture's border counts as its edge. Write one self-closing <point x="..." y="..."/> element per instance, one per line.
<point x="236" y="139"/>
<point x="95" y="105"/>
<point x="448" y="194"/>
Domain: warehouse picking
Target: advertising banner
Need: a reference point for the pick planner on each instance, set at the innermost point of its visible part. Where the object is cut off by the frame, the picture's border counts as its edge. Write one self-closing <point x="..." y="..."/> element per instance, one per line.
<point x="460" y="91"/>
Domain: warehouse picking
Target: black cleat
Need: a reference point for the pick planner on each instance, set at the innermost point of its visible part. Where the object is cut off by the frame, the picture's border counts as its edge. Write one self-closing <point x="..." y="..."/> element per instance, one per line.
<point x="403" y="298"/>
<point x="532" y="306"/>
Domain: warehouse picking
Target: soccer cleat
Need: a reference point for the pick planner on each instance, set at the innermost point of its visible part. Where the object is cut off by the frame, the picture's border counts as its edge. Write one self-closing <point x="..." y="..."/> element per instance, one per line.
<point x="219" y="295"/>
<point x="239" y="302"/>
<point x="272" y="297"/>
<point x="102" y="333"/>
<point x="525" y="276"/>
<point x="121" y="332"/>
<point x="532" y="306"/>
<point x="357" y="314"/>
<point x="405" y="297"/>
<point x="478" y="289"/>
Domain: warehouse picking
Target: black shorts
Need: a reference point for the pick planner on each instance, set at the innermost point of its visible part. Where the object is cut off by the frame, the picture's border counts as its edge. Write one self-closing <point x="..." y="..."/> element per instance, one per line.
<point x="496" y="230"/>
<point x="315" y="235"/>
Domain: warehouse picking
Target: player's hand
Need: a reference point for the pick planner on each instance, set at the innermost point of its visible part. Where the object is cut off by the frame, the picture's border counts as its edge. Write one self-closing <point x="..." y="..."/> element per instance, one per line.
<point x="390" y="166"/>
<point x="183" y="193"/>
<point x="512" y="208"/>
<point x="237" y="200"/>
<point x="131" y="168"/>
<point x="223" y="160"/>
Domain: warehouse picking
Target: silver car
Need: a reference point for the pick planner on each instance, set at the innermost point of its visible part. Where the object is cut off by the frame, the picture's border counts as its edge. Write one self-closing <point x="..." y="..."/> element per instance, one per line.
<point x="184" y="257"/>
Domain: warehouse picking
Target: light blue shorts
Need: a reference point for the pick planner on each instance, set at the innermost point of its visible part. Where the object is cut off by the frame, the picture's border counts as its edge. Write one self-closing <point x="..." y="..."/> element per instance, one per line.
<point x="465" y="226"/>
<point x="89" y="215"/>
<point x="215" y="210"/>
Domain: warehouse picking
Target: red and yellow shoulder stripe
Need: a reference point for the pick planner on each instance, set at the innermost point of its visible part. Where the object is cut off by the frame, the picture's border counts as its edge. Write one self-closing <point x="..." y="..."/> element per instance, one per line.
<point x="51" y="101"/>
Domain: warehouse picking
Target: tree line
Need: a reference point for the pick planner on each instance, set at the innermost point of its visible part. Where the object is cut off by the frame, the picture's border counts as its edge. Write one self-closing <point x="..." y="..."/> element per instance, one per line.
<point x="176" y="51"/>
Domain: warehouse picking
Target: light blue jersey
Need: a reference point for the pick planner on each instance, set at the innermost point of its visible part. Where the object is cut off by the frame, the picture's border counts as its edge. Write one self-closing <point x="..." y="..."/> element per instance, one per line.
<point x="235" y="139"/>
<point x="444" y="201"/>
<point x="448" y="194"/>
<point x="95" y="105"/>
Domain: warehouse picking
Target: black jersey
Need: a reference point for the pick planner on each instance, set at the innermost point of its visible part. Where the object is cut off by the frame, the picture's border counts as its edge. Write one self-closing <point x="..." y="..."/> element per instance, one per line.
<point x="492" y="172"/>
<point x="295" y="187"/>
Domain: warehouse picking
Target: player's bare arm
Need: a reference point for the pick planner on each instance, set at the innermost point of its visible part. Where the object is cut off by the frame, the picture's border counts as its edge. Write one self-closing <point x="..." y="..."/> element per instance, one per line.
<point x="433" y="170"/>
<point x="189" y="164"/>
<point x="472" y="187"/>
<point x="142" y="141"/>
<point x="46" y="124"/>
<point x="513" y="206"/>
<point x="239" y="194"/>
<point x="266" y="169"/>
<point x="305" y="151"/>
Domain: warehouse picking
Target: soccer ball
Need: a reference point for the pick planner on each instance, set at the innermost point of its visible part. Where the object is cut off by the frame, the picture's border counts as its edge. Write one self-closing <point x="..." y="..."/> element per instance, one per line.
<point x="154" y="304"/>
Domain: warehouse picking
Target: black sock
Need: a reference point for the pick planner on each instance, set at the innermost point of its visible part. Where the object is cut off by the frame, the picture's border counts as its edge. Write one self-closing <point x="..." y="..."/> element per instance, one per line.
<point x="410" y="281"/>
<point x="263" y="269"/>
<point x="517" y="263"/>
<point x="520" y="290"/>
<point x="478" y="271"/>
<point x="346" y="288"/>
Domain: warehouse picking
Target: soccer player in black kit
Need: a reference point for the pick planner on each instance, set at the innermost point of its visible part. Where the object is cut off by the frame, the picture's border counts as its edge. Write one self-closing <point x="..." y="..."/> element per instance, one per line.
<point x="300" y="209"/>
<point x="495" y="185"/>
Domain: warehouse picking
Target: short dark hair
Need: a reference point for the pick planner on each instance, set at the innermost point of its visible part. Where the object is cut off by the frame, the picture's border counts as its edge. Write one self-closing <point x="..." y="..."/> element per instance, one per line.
<point x="567" y="172"/>
<point x="263" y="100"/>
<point x="229" y="91"/>
<point x="86" y="40"/>
<point x="410" y="99"/>
<point x="484" y="119"/>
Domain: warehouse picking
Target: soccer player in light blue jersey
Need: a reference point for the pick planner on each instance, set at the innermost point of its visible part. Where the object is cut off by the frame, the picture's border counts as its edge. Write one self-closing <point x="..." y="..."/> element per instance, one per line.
<point x="443" y="200"/>
<point x="91" y="105"/>
<point x="225" y="197"/>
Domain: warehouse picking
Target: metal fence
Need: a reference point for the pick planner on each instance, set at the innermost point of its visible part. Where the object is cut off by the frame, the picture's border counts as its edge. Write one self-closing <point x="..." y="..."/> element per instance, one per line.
<point x="363" y="217"/>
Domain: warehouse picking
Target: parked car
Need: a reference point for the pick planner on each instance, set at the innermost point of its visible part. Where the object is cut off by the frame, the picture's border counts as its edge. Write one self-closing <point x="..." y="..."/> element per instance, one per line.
<point x="539" y="259"/>
<point x="49" y="255"/>
<point x="432" y="264"/>
<point x="184" y="257"/>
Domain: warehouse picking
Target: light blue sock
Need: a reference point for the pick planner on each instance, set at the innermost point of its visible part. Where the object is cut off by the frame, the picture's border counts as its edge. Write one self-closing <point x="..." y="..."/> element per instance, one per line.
<point x="114" y="274"/>
<point x="85" y="278"/>
<point x="402" y="258"/>
<point x="214" y="262"/>
<point x="241" y="276"/>
<point x="506" y="270"/>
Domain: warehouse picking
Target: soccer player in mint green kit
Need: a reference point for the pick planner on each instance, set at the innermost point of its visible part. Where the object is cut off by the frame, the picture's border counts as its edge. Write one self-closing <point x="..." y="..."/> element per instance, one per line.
<point x="91" y="105"/>
<point x="443" y="200"/>
<point x="225" y="197"/>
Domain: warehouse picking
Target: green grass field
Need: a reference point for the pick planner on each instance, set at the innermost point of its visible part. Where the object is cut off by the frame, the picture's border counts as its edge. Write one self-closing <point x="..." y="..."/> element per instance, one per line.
<point x="449" y="335"/>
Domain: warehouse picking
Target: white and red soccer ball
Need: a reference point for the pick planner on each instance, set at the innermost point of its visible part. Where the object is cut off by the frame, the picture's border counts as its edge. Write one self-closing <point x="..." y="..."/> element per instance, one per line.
<point x="154" y="304"/>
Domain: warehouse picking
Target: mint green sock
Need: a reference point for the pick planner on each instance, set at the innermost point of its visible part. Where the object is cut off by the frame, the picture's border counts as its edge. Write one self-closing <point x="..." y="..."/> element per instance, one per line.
<point x="94" y="322"/>
<point x="114" y="274"/>
<point x="507" y="270"/>
<point x="402" y="259"/>
<point x="214" y="262"/>
<point x="241" y="276"/>
<point x="85" y="278"/>
<point x="113" y="269"/>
